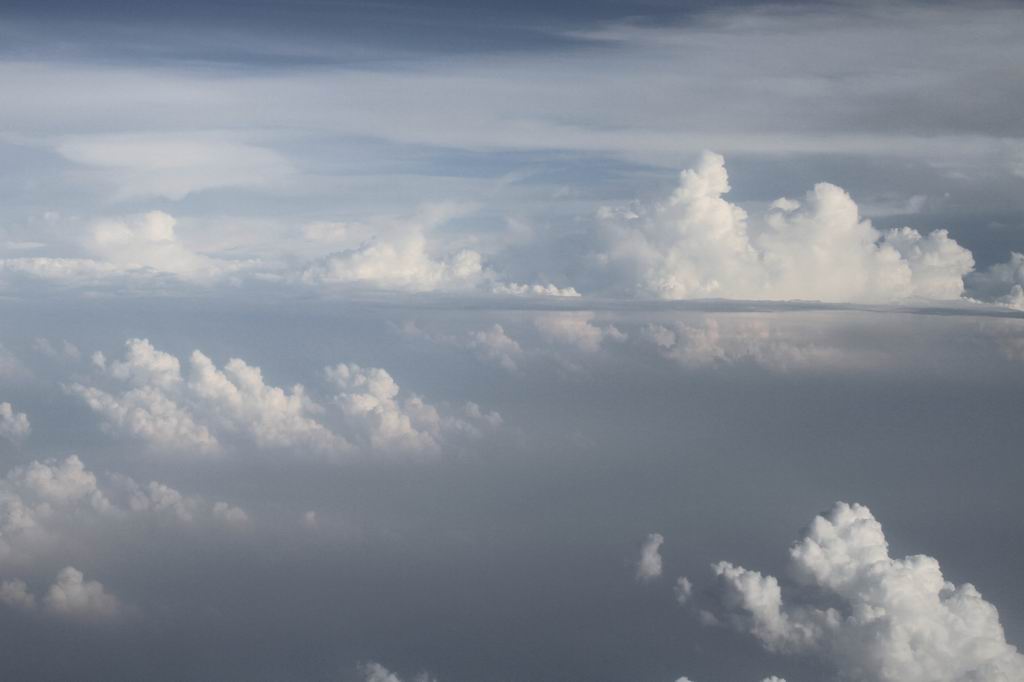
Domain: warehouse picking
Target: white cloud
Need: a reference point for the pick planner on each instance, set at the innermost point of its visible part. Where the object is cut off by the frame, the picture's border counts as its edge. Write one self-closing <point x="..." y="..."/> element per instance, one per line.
<point x="173" y="165"/>
<point x="213" y="407"/>
<point x="893" y="620"/>
<point x="71" y="595"/>
<point x="385" y="418"/>
<point x="67" y="349"/>
<point x="14" y="426"/>
<point x="699" y="245"/>
<point x="15" y="593"/>
<point x="491" y="344"/>
<point x="683" y="590"/>
<point x="134" y="250"/>
<point x="48" y="507"/>
<point x="230" y="514"/>
<point x="238" y="400"/>
<point x="773" y="678"/>
<point x="495" y="345"/>
<point x="1002" y="283"/>
<point x="397" y="254"/>
<point x="576" y="328"/>
<point x="408" y="254"/>
<point x="513" y="289"/>
<point x="10" y="366"/>
<point x="167" y="411"/>
<point x="61" y="483"/>
<point x="149" y="241"/>
<point x="150" y="415"/>
<point x="710" y="341"/>
<point x="375" y="672"/>
<point x="649" y="565"/>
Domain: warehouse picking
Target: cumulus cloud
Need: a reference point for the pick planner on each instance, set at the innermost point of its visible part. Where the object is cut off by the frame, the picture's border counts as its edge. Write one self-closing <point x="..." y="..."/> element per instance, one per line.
<point x="203" y="412"/>
<point x="576" y="328"/>
<point x="699" y="245"/>
<point x="381" y="415"/>
<point x="406" y="254"/>
<point x="683" y="589"/>
<point x="71" y="595"/>
<point x="66" y="350"/>
<point x="149" y="241"/>
<point x="649" y="565"/>
<point x="15" y="593"/>
<point x="514" y="289"/>
<point x="134" y="250"/>
<point x="773" y="678"/>
<point x="40" y="500"/>
<point x="167" y="410"/>
<point x="14" y="426"/>
<point x="495" y="345"/>
<point x="491" y="344"/>
<point x="397" y="254"/>
<point x="375" y="672"/>
<point x="47" y="507"/>
<point x="710" y="341"/>
<point x="882" y="619"/>
<point x="1001" y="283"/>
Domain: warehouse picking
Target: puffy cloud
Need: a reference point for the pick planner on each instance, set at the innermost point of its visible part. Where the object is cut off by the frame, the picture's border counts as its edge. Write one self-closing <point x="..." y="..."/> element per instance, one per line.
<point x="67" y="349"/>
<point x="513" y="289"/>
<point x="1002" y="283"/>
<point x="382" y="416"/>
<point x="491" y="344"/>
<point x="375" y="672"/>
<point x="649" y="565"/>
<point x="398" y="264"/>
<point x="683" y="589"/>
<point x="61" y="483"/>
<point x="149" y="414"/>
<point x="14" y="426"/>
<point x="10" y="366"/>
<point x="148" y="241"/>
<point x="396" y="254"/>
<point x="699" y="245"/>
<point x="229" y="513"/>
<point x="15" y="593"/>
<point x="773" y="678"/>
<point x="891" y="620"/>
<point x="74" y="596"/>
<point x="405" y="254"/>
<point x="710" y="341"/>
<point x="169" y="412"/>
<point x="576" y="328"/>
<point x="495" y="345"/>
<point x="134" y="250"/>
<point x="240" y="401"/>
<point x="204" y="412"/>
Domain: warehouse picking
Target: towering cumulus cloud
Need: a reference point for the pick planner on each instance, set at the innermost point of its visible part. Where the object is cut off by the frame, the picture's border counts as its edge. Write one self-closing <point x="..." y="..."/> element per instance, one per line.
<point x="699" y="245"/>
<point x="873" y="617"/>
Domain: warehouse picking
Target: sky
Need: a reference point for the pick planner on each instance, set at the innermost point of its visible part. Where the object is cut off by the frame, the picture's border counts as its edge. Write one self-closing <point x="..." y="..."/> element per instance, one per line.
<point x="616" y="341"/>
